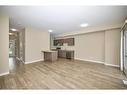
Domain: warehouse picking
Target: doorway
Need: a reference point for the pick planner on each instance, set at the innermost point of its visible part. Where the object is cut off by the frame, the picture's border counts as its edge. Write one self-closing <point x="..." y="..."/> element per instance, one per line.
<point x="12" y="48"/>
<point x="16" y="51"/>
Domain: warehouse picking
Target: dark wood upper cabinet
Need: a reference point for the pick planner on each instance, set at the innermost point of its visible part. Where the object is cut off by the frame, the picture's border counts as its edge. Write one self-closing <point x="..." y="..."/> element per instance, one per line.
<point x="70" y="41"/>
<point x="60" y="42"/>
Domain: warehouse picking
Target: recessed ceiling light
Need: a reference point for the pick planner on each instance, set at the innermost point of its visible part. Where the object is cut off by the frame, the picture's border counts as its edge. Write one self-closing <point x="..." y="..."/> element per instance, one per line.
<point x="50" y="30"/>
<point x="12" y="29"/>
<point x="84" y="25"/>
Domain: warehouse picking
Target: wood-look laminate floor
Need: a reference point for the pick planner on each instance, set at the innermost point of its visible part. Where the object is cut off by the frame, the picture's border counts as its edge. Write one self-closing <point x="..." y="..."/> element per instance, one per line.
<point x="64" y="74"/>
<point x="15" y="65"/>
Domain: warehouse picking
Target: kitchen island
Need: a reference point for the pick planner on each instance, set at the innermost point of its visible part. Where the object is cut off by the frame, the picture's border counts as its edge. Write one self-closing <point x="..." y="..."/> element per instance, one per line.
<point x="50" y="55"/>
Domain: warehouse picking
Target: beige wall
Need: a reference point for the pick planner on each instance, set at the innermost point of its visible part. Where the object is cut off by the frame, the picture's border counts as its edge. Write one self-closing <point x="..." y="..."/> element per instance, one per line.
<point x="4" y="47"/>
<point x="90" y="46"/>
<point x="112" y="47"/>
<point x="103" y="46"/>
<point x="35" y="42"/>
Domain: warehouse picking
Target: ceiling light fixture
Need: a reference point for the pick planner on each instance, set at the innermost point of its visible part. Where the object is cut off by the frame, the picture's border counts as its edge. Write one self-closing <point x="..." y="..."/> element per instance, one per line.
<point x="13" y="29"/>
<point x="50" y="31"/>
<point x="84" y="25"/>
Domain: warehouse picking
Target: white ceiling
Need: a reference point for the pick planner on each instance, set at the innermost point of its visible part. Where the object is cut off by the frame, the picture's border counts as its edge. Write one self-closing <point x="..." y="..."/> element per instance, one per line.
<point x="63" y="18"/>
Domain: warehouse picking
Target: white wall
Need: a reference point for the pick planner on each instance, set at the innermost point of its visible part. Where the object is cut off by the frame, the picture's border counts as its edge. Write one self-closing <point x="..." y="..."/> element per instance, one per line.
<point x="112" y="47"/>
<point x="90" y="46"/>
<point x="35" y="42"/>
<point x="4" y="47"/>
<point x="103" y="46"/>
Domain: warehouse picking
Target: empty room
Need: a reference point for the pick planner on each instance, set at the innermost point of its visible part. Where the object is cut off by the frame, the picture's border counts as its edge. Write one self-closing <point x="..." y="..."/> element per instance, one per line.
<point x="63" y="47"/>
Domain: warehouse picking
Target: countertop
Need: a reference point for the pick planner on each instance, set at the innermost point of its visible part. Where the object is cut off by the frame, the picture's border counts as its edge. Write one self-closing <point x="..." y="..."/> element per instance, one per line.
<point x="67" y="50"/>
<point x="48" y="51"/>
<point x="62" y="50"/>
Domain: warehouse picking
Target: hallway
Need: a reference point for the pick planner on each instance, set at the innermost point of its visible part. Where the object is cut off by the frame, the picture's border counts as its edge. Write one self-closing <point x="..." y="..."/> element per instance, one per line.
<point x="15" y="65"/>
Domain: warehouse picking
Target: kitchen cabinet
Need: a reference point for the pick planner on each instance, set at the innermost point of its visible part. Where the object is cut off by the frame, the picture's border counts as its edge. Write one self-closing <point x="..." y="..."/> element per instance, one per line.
<point x="68" y="54"/>
<point x="69" y="41"/>
<point x="60" y="42"/>
<point x="61" y="54"/>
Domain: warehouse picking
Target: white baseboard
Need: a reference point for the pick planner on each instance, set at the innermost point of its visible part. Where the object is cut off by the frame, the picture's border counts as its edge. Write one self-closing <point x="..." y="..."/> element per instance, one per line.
<point x="112" y="65"/>
<point x="33" y="61"/>
<point x="4" y="73"/>
<point x="98" y="62"/>
<point x="90" y="60"/>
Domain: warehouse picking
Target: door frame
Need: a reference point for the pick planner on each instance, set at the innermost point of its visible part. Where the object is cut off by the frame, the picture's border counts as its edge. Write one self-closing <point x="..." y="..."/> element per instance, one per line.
<point x="122" y="48"/>
<point x="124" y="51"/>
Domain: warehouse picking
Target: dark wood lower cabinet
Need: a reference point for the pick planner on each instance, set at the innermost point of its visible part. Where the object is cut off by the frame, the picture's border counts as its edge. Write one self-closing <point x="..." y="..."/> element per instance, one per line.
<point x="68" y="54"/>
